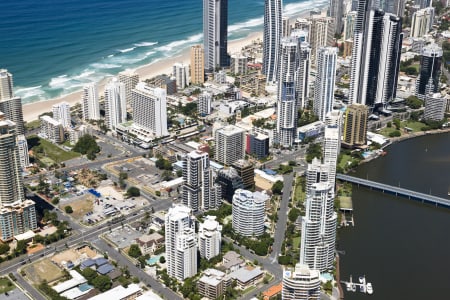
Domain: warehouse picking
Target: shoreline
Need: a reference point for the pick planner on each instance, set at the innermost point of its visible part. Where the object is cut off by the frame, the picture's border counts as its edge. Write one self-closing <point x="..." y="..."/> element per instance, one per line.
<point x="31" y="111"/>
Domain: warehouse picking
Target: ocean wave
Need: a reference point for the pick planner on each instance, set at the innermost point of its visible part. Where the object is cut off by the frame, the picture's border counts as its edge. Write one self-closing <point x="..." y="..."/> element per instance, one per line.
<point x="127" y="50"/>
<point x="28" y="92"/>
<point x="145" y="44"/>
<point x="105" y="65"/>
<point x="86" y="73"/>
<point x="294" y="9"/>
<point x="245" y="25"/>
<point x="181" y="44"/>
<point x="59" y="81"/>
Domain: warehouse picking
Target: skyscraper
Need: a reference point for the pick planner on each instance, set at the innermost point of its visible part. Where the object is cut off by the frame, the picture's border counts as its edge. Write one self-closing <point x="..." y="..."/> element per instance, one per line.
<point x="422" y="22"/>
<point x="355" y="126"/>
<point x="332" y="143"/>
<point x="61" y="113"/>
<point x="150" y="110"/>
<point x="181" y="242"/>
<point x="273" y="30"/>
<point x="319" y="228"/>
<point x="115" y="104"/>
<point x="181" y="73"/>
<point x="322" y="34"/>
<point x="349" y="25"/>
<point x="197" y="64"/>
<point x="209" y="237"/>
<point x="286" y="99"/>
<point x="23" y="151"/>
<point x="325" y="81"/>
<point x="434" y="107"/>
<point x="229" y="144"/>
<point x="430" y="70"/>
<point x="17" y="214"/>
<point x="336" y="11"/>
<point x="301" y="283"/>
<point x="197" y="190"/>
<point x="248" y="212"/>
<point x="130" y="79"/>
<point x="215" y="30"/>
<point x="389" y="64"/>
<point x="6" y="85"/>
<point x="286" y="27"/>
<point x="204" y="103"/>
<point x="303" y="68"/>
<point x="91" y="107"/>
<point x="375" y="57"/>
<point x="315" y="173"/>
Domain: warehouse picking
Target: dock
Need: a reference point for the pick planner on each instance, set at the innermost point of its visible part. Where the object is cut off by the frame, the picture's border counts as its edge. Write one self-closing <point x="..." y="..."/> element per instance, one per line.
<point x="363" y="286"/>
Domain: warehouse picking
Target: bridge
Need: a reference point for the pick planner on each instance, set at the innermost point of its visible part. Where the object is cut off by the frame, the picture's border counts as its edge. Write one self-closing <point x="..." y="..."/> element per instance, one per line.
<point x="397" y="191"/>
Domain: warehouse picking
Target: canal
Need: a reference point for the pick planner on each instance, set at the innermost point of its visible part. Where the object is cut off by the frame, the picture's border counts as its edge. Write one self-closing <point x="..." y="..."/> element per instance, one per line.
<point x="402" y="246"/>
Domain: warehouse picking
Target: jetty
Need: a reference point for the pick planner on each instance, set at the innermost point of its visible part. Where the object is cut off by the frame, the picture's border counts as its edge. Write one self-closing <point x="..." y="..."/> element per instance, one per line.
<point x="362" y="286"/>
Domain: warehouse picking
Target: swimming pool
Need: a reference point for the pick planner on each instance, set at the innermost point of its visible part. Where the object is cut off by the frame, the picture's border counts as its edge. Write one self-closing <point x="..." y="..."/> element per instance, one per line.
<point x="153" y="260"/>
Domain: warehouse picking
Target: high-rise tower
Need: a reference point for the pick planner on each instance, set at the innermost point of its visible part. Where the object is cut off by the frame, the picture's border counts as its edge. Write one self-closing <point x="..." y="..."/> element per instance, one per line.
<point x="181" y="242"/>
<point x="273" y="29"/>
<point x="198" y="192"/>
<point x="61" y="113"/>
<point x="336" y="11"/>
<point x="325" y="81"/>
<point x="91" y="107"/>
<point x="197" y="64"/>
<point x="11" y="106"/>
<point x="17" y="215"/>
<point x="430" y="70"/>
<point x="115" y="104"/>
<point x="215" y="30"/>
<point x="322" y="34"/>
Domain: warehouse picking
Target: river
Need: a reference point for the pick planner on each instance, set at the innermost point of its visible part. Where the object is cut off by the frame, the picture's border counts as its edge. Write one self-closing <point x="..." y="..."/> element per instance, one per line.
<point x="402" y="246"/>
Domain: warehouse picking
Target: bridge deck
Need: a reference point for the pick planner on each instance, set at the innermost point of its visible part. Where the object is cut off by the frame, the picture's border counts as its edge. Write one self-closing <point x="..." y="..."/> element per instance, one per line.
<point x="398" y="191"/>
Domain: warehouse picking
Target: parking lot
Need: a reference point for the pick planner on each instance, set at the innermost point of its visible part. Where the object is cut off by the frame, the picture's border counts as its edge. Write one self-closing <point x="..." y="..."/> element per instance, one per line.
<point x="123" y="237"/>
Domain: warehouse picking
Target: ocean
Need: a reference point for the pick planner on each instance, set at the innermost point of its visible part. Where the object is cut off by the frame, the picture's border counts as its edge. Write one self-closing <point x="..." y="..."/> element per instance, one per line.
<point x="54" y="47"/>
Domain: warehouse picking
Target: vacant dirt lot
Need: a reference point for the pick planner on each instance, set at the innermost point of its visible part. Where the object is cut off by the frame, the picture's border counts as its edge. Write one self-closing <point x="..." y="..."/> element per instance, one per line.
<point x="80" y="207"/>
<point x="43" y="270"/>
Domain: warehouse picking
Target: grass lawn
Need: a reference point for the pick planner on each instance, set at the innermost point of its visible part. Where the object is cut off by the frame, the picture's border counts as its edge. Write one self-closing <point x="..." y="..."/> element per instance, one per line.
<point x="299" y="193"/>
<point x="414" y="125"/>
<point x="344" y="161"/>
<point x="33" y="124"/>
<point x="6" y="285"/>
<point x="296" y="242"/>
<point x="51" y="151"/>
<point x="248" y="290"/>
<point x="386" y="130"/>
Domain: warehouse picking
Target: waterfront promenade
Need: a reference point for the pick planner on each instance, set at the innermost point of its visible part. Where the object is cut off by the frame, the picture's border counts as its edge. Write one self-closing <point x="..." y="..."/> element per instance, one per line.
<point x="397" y="191"/>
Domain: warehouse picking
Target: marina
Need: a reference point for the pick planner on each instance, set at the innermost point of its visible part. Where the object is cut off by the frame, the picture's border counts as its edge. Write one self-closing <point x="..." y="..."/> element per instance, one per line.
<point x="362" y="286"/>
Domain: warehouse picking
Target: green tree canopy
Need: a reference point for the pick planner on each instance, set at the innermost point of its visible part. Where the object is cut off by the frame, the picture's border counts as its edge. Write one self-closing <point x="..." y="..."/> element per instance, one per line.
<point x="414" y="102"/>
<point x="87" y="145"/>
<point x="134" y="251"/>
<point x="102" y="282"/>
<point x="277" y="187"/>
<point x="68" y="209"/>
<point x="133" y="192"/>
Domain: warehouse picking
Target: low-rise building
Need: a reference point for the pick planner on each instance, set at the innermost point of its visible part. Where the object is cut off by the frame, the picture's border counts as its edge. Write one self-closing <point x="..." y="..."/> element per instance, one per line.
<point x="51" y="130"/>
<point x="232" y="261"/>
<point x="120" y="293"/>
<point x="247" y="276"/>
<point x="212" y="284"/>
<point x="149" y="243"/>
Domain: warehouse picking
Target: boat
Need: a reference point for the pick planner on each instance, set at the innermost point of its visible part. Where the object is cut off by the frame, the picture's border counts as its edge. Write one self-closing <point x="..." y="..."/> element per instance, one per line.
<point x="362" y="279"/>
<point x="369" y="288"/>
<point x="348" y="285"/>
<point x="353" y="287"/>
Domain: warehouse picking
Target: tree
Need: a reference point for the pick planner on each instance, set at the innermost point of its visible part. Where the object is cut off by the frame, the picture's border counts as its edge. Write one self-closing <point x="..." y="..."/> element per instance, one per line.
<point x="277" y="187"/>
<point x="133" y="192"/>
<point x="397" y="123"/>
<point x="4" y="248"/>
<point x="68" y="209"/>
<point x="87" y="145"/>
<point x="162" y="259"/>
<point x="314" y="150"/>
<point x="102" y="282"/>
<point x="413" y="102"/>
<point x="89" y="274"/>
<point x="293" y="214"/>
<point x="55" y="201"/>
<point x="134" y="251"/>
<point x="395" y="133"/>
<point x="21" y="247"/>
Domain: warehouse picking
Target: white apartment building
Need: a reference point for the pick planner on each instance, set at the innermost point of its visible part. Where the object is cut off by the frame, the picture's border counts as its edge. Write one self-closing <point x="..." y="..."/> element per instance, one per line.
<point x="61" y="113"/>
<point x="90" y="102"/>
<point x="325" y="81"/>
<point x="181" y="74"/>
<point x="249" y="212"/>
<point x="6" y="85"/>
<point x="181" y="242"/>
<point x="301" y="283"/>
<point x="422" y="22"/>
<point x="434" y="107"/>
<point x="273" y="30"/>
<point x="315" y="173"/>
<point x="150" y="110"/>
<point x="331" y="149"/>
<point x="115" y="104"/>
<point x="204" y="103"/>
<point x="23" y="151"/>
<point x="238" y="64"/>
<point x="17" y="215"/>
<point x="130" y="79"/>
<point x="215" y="34"/>
<point x="209" y="237"/>
<point x="51" y="130"/>
<point x="229" y="144"/>
<point x="318" y="237"/>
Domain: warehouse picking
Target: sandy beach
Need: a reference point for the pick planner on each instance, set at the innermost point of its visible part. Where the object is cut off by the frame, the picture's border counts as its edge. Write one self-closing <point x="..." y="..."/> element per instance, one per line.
<point x="32" y="111"/>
